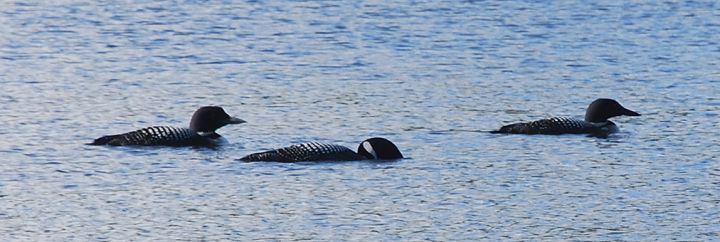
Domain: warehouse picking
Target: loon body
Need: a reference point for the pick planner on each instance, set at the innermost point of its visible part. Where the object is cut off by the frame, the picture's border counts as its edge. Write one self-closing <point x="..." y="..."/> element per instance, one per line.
<point x="201" y="132"/>
<point x="596" y="121"/>
<point x="370" y="149"/>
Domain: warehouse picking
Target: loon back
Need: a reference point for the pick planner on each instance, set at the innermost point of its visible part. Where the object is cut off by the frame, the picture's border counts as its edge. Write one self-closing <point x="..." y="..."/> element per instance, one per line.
<point x="306" y="152"/>
<point x="558" y="126"/>
<point x="159" y="135"/>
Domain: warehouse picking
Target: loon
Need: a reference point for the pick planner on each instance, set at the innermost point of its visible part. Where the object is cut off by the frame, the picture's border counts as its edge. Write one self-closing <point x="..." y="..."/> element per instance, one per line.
<point x="596" y="121"/>
<point x="370" y="149"/>
<point x="200" y="133"/>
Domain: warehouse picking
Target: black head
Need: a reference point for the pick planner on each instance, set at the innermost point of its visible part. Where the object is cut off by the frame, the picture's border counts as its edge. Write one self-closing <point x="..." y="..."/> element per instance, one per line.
<point x="379" y="149"/>
<point x="210" y="118"/>
<point x="602" y="109"/>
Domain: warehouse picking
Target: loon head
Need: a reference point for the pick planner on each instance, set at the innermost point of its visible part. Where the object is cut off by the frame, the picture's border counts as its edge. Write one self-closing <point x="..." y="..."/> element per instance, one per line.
<point x="379" y="149"/>
<point x="210" y="118"/>
<point x="602" y="109"/>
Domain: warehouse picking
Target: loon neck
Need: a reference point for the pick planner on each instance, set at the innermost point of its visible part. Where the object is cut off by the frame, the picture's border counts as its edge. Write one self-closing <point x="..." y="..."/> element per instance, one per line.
<point x="205" y="133"/>
<point x="594" y="118"/>
<point x="606" y="123"/>
<point x="208" y="134"/>
<point x="600" y="124"/>
<point x="591" y="119"/>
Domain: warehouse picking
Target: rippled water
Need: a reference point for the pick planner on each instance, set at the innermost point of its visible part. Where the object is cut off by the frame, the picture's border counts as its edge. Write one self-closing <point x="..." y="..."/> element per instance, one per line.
<point x="429" y="75"/>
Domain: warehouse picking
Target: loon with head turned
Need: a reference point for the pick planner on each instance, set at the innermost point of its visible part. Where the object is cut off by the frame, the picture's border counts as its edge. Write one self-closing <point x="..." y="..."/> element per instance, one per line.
<point x="201" y="132"/>
<point x="596" y="121"/>
<point x="370" y="149"/>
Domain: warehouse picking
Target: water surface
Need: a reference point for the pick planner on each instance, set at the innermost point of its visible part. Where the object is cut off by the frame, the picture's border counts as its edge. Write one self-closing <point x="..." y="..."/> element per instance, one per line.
<point x="429" y="75"/>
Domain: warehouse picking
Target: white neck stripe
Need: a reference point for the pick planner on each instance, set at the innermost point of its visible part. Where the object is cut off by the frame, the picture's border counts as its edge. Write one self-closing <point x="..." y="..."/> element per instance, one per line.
<point x="370" y="149"/>
<point x="205" y="133"/>
<point x="598" y="124"/>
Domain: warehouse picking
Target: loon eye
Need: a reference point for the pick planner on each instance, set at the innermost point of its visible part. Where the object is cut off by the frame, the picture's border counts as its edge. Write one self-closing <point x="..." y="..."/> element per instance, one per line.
<point x="368" y="147"/>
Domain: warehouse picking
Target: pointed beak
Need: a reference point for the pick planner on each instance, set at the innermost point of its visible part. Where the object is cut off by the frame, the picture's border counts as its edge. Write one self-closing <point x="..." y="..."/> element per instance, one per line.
<point x="629" y="112"/>
<point x="234" y="120"/>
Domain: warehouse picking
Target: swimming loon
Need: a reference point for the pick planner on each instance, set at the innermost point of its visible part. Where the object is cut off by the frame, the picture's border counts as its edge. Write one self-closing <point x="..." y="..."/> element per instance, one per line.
<point x="201" y="132"/>
<point x="370" y="149"/>
<point x="596" y="121"/>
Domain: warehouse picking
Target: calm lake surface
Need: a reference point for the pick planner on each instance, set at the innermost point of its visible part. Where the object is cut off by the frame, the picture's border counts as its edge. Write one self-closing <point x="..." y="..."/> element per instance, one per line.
<point x="431" y="76"/>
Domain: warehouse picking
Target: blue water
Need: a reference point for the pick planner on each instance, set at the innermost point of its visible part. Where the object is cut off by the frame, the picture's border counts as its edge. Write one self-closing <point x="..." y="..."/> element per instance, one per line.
<point x="428" y="75"/>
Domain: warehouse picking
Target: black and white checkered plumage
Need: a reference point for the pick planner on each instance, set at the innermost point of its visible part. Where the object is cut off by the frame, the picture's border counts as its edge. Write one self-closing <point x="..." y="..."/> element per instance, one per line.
<point x="200" y="133"/>
<point x="370" y="149"/>
<point x="306" y="152"/>
<point x="558" y="125"/>
<point x="159" y="135"/>
<point x="596" y="121"/>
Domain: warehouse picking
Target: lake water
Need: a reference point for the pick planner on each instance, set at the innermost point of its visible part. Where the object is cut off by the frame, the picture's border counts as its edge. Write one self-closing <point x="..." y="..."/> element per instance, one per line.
<point x="431" y="76"/>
